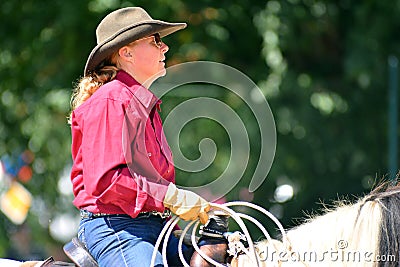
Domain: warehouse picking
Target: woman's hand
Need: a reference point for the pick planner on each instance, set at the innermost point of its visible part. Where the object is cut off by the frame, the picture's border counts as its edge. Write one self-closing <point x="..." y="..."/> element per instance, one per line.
<point x="186" y="204"/>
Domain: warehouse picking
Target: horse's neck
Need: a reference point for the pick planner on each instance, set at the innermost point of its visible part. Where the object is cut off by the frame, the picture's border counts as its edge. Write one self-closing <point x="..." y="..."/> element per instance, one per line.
<point x="351" y="228"/>
<point x="347" y="236"/>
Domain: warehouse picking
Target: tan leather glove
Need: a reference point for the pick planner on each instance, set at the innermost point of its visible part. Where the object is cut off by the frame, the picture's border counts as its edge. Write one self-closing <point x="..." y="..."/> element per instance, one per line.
<point x="186" y="204"/>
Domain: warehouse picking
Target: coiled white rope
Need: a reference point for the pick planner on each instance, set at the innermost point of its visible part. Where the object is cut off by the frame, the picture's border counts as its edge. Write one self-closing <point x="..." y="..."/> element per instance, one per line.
<point x="169" y="226"/>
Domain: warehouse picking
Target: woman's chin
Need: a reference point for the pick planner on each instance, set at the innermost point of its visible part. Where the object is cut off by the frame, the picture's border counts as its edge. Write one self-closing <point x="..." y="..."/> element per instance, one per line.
<point x="161" y="73"/>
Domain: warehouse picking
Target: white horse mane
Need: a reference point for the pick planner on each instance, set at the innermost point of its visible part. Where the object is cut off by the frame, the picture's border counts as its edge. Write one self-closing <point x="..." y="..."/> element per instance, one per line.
<point x="340" y="237"/>
<point x="349" y="235"/>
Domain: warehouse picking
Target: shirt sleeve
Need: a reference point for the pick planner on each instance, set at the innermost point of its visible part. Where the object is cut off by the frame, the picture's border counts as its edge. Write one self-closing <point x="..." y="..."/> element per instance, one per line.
<point x="108" y="148"/>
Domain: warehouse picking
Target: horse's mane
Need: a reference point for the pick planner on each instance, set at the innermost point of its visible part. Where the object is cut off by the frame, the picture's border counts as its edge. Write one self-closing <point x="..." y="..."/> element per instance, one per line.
<point x="364" y="233"/>
<point x="389" y="236"/>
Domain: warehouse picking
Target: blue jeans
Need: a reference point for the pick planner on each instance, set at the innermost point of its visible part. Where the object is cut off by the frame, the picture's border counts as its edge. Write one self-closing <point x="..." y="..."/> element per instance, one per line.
<point x="122" y="241"/>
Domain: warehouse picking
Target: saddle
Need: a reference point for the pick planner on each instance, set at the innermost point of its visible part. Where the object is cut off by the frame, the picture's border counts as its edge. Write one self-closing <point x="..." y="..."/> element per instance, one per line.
<point x="78" y="253"/>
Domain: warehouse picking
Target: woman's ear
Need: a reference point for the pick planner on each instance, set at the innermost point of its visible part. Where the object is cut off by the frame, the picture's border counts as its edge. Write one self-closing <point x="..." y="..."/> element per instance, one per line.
<point x="125" y="53"/>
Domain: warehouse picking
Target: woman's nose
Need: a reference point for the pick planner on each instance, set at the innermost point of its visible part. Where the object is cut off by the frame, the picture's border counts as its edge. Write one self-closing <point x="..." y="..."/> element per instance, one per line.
<point x="164" y="48"/>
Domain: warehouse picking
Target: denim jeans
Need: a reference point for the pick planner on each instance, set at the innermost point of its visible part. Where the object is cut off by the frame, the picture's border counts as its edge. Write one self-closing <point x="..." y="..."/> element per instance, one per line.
<point x="122" y="241"/>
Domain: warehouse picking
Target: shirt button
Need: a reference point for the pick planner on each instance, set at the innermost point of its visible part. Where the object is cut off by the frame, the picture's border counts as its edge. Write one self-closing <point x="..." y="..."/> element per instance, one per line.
<point x="149" y="154"/>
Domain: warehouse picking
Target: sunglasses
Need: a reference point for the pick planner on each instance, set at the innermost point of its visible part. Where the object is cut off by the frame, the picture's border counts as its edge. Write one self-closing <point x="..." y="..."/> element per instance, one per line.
<point x="157" y="40"/>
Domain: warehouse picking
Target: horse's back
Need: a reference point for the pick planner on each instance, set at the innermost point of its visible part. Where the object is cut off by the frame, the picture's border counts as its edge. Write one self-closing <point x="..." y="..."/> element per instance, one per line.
<point x="14" y="263"/>
<point x="9" y="263"/>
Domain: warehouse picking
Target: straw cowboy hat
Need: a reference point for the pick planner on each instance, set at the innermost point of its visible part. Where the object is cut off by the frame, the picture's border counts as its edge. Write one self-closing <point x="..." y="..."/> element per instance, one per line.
<point x="122" y="27"/>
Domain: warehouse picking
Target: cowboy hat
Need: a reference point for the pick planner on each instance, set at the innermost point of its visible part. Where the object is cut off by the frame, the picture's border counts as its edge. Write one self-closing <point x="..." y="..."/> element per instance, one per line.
<point x="122" y="27"/>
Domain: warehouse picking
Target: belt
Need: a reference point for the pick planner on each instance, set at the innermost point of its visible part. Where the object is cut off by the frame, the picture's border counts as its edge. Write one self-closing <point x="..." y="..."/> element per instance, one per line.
<point x="144" y="214"/>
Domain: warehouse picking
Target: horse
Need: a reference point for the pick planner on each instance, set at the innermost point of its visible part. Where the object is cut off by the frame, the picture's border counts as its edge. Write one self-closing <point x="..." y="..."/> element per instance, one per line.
<point x="14" y="263"/>
<point x="49" y="262"/>
<point x="365" y="233"/>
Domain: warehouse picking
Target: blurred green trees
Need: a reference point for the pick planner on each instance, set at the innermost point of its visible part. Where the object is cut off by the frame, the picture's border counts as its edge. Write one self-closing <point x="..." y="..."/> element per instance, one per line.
<point x="322" y="66"/>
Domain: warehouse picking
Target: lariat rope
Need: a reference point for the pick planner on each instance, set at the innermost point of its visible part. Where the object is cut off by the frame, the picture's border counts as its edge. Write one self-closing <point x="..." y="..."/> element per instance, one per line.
<point x="169" y="226"/>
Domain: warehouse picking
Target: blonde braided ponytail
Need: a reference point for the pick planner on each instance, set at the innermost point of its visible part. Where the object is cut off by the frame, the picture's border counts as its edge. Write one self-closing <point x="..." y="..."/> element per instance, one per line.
<point x="89" y="84"/>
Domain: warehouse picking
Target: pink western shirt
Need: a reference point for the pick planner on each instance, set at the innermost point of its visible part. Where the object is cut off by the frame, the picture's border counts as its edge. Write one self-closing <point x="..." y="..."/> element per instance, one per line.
<point x="122" y="163"/>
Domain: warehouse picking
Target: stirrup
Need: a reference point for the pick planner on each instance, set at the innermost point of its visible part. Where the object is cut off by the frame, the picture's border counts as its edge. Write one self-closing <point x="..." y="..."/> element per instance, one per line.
<point x="78" y="253"/>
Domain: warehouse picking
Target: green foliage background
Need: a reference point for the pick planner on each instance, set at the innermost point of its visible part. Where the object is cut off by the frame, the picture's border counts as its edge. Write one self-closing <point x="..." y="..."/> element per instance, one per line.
<point x="322" y="66"/>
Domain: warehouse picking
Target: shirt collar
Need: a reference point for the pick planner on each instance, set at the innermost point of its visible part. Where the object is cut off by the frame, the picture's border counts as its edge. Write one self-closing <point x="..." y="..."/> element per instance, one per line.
<point x="144" y="95"/>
